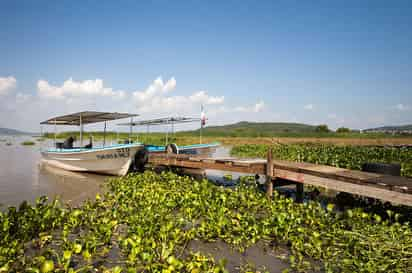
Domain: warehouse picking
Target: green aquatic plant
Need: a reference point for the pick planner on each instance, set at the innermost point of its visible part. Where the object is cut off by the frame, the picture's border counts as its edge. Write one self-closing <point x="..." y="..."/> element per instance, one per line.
<point x="349" y="157"/>
<point x="145" y="223"/>
<point x="227" y="177"/>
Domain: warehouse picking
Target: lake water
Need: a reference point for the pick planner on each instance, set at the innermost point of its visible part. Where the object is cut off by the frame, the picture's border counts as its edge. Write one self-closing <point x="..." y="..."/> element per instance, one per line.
<point x="24" y="177"/>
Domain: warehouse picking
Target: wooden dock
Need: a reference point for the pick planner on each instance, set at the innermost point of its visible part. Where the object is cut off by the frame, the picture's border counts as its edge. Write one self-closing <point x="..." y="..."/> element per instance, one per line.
<point x="394" y="189"/>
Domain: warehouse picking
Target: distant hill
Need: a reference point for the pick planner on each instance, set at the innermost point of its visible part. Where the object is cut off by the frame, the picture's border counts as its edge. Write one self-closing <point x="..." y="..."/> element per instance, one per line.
<point x="8" y="131"/>
<point x="391" y="128"/>
<point x="252" y="129"/>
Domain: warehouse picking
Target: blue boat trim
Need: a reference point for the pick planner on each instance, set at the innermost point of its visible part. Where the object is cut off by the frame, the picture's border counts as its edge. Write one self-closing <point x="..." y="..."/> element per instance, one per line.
<point x="154" y="148"/>
<point x="101" y="148"/>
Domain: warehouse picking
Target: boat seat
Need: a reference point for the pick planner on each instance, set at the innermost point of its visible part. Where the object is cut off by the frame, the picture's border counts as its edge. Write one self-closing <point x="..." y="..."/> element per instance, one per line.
<point x="68" y="143"/>
<point x="90" y="145"/>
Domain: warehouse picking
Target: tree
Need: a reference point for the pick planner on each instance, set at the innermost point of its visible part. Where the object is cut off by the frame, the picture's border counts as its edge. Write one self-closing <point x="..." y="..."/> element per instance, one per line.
<point x="343" y="130"/>
<point x="323" y="128"/>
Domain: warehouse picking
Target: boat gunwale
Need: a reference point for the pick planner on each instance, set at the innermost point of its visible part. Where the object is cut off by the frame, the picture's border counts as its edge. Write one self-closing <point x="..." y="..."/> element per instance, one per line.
<point x="200" y="145"/>
<point x="89" y="150"/>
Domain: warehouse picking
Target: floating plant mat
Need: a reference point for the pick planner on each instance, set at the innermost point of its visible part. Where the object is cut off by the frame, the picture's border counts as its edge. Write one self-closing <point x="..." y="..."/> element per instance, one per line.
<point x="349" y="157"/>
<point x="164" y="223"/>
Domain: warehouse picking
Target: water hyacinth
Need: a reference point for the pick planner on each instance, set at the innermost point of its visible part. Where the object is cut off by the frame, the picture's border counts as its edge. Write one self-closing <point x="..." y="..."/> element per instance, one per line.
<point x="28" y="143"/>
<point x="349" y="157"/>
<point x="145" y="223"/>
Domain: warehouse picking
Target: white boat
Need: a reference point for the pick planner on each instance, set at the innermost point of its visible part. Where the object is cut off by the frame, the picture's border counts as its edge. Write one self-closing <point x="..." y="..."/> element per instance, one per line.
<point x="112" y="160"/>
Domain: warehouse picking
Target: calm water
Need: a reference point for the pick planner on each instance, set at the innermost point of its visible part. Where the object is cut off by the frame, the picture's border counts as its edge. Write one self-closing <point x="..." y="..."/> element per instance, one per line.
<point x="24" y="177"/>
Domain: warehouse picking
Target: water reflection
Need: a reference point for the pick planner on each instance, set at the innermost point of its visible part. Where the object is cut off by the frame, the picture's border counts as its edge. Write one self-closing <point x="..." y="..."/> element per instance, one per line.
<point x="73" y="187"/>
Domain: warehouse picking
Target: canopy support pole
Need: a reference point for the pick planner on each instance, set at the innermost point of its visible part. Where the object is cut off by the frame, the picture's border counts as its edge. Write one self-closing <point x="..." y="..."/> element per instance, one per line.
<point x="147" y="134"/>
<point x="167" y="134"/>
<point x="55" y="129"/>
<point x="201" y="123"/>
<point x="131" y="130"/>
<point x="173" y="130"/>
<point x="104" y="134"/>
<point x="81" y="131"/>
<point x="200" y="136"/>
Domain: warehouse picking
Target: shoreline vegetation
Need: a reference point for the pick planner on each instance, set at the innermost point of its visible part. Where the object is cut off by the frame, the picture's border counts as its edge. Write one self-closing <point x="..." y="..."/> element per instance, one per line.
<point x="152" y="222"/>
<point x="182" y="138"/>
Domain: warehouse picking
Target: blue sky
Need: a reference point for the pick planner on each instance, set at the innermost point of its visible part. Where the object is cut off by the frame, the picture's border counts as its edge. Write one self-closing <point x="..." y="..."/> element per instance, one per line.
<point x="347" y="63"/>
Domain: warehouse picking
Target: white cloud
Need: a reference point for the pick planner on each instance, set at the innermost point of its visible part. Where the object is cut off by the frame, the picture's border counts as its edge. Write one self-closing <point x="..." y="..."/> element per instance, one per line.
<point x="202" y="97"/>
<point x="156" y="99"/>
<point x="73" y="89"/>
<point x="402" y="107"/>
<point x="164" y="105"/>
<point x="309" y="107"/>
<point x="258" y="107"/>
<point x="156" y="88"/>
<point x="7" y="84"/>
<point x="170" y="85"/>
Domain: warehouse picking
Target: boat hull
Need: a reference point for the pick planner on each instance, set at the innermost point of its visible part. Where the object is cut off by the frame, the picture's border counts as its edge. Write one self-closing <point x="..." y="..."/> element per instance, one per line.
<point x="112" y="160"/>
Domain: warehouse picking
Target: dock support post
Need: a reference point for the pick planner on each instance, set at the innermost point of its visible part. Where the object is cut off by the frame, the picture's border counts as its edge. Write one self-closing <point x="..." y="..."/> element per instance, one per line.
<point x="299" y="192"/>
<point x="269" y="174"/>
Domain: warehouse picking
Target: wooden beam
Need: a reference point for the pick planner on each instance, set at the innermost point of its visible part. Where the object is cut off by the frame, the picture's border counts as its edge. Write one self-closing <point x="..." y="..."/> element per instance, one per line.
<point x="364" y="190"/>
<point x="208" y="164"/>
<point x="397" y="183"/>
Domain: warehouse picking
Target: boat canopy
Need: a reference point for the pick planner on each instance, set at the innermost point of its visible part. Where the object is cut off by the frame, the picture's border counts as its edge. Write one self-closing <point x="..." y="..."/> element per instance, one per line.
<point x="86" y="117"/>
<point x="161" y="121"/>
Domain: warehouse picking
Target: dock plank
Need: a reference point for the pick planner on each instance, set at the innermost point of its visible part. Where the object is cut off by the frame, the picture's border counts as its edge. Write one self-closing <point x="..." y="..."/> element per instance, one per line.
<point x="364" y="190"/>
<point x="345" y="175"/>
<point x="389" y="188"/>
